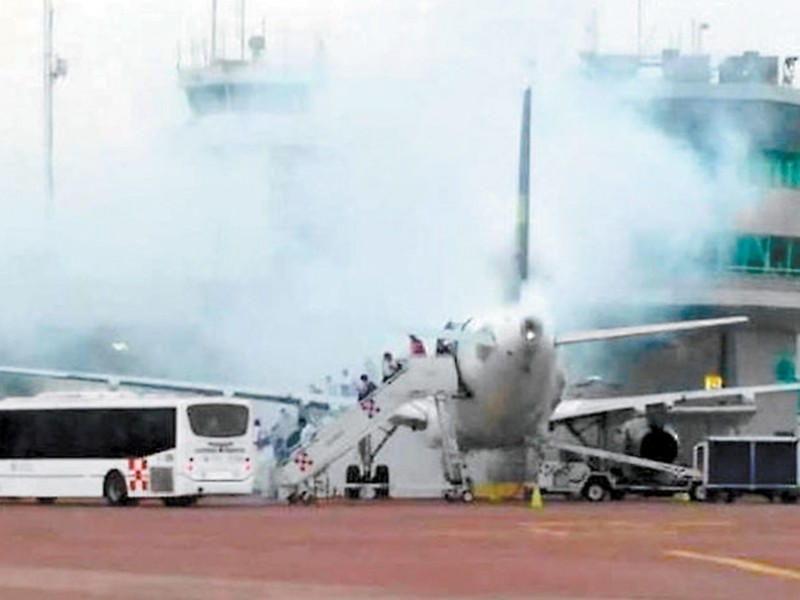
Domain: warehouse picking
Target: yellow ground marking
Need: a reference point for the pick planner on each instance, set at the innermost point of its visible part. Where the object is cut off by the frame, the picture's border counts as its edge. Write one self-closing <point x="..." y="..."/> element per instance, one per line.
<point x="751" y="566"/>
<point x="595" y="528"/>
<point x="586" y="528"/>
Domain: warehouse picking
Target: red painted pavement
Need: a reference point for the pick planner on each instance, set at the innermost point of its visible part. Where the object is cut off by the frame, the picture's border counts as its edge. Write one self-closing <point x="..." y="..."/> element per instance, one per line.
<point x="398" y="549"/>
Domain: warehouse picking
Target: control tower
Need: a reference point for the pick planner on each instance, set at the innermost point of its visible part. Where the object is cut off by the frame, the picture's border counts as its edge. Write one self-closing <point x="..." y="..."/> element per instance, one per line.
<point x="261" y="83"/>
<point x="256" y="94"/>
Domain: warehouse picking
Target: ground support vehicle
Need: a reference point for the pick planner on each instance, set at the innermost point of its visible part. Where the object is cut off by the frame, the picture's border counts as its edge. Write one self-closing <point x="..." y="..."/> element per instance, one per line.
<point x="732" y="466"/>
<point x="573" y="476"/>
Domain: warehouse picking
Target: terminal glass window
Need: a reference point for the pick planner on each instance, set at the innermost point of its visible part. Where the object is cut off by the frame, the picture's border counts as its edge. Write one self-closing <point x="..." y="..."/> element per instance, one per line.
<point x="775" y="169"/>
<point x="780" y="253"/>
<point x="752" y="253"/>
<point x="770" y="255"/>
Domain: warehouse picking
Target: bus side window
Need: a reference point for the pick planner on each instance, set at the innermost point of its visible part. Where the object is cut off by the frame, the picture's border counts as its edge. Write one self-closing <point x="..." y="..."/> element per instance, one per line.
<point x="5" y="437"/>
<point x="23" y="434"/>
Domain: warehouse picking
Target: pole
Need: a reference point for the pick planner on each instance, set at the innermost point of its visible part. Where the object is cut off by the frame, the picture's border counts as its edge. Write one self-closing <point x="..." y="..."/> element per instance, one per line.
<point x="47" y="105"/>
<point x="639" y="29"/>
<point x="241" y="27"/>
<point x="213" y="31"/>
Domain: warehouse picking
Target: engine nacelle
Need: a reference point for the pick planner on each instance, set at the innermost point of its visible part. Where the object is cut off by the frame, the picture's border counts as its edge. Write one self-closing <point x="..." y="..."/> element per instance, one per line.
<point x="420" y="415"/>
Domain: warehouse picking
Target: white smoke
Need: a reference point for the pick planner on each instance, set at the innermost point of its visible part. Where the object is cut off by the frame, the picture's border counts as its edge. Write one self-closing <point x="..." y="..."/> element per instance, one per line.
<point x="217" y="258"/>
<point x="622" y="210"/>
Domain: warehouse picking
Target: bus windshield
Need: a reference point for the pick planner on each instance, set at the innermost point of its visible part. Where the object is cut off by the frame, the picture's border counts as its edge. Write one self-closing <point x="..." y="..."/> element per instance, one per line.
<point x="218" y="420"/>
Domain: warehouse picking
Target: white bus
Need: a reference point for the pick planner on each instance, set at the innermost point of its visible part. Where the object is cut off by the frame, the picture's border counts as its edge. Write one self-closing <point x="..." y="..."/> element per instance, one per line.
<point x="125" y="446"/>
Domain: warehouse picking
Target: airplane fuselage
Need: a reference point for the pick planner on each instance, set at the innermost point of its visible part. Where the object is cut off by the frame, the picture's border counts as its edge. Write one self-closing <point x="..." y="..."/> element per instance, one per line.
<point x="513" y="382"/>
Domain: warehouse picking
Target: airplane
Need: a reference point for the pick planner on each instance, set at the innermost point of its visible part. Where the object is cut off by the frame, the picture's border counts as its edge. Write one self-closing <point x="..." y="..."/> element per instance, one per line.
<point x="508" y="363"/>
<point x="511" y="382"/>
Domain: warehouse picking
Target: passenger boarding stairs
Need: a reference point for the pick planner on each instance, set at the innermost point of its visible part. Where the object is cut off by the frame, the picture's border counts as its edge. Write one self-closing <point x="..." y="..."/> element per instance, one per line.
<point x="419" y="378"/>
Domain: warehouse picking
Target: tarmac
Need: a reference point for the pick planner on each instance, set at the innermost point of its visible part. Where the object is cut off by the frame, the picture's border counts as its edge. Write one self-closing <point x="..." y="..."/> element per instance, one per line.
<point x="397" y="549"/>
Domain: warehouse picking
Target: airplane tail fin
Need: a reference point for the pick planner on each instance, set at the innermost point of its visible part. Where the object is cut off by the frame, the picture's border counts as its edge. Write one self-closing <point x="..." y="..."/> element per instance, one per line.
<point x="523" y="199"/>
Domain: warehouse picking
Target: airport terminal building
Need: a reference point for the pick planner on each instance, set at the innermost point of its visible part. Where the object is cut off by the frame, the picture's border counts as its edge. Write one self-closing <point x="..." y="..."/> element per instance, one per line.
<point x="754" y="269"/>
<point x="750" y="267"/>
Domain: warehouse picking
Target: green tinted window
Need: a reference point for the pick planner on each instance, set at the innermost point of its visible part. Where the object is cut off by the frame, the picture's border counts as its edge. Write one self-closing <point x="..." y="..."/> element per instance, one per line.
<point x="771" y="255"/>
<point x="775" y="169"/>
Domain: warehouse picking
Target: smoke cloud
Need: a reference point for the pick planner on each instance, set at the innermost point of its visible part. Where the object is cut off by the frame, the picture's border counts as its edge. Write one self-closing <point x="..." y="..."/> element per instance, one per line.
<point x="210" y="251"/>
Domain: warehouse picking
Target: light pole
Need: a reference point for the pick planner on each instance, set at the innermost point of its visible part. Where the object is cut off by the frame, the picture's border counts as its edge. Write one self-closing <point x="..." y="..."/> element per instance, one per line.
<point x="700" y="31"/>
<point x="53" y="67"/>
<point x="639" y="29"/>
<point x="213" y="31"/>
<point x="242" y="9"/>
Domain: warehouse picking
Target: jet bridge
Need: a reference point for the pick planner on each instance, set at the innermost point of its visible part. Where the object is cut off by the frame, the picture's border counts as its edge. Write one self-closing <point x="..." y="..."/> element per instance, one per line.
<point x="419" y="378"/>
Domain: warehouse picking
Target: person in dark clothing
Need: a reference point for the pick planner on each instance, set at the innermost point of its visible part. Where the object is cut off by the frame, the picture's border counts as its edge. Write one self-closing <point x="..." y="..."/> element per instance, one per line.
<point x="390" y="366"/>
<point x="365" y="386"/>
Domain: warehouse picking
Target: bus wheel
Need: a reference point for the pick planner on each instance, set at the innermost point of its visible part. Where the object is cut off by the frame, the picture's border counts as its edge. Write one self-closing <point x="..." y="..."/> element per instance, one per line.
<point x="115" y="490"/>
<point x="45" y="500"/>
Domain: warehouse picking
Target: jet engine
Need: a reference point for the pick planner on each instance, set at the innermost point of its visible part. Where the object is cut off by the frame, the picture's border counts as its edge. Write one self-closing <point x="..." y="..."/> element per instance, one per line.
<point x="420" y="415"/>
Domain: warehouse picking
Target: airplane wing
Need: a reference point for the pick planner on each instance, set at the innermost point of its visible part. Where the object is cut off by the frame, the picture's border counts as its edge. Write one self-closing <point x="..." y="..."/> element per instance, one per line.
<point x="595" y="335"/>
<point x="742" y="401"/>
<point x="170" y="385"/>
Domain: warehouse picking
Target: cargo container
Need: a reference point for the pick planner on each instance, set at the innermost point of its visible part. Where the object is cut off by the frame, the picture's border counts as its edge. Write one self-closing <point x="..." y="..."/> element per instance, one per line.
<point x="733" y="466"/>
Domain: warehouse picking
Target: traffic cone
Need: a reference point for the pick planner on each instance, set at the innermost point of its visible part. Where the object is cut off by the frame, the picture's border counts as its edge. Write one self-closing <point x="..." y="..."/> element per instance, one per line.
<point x="536" y="498"/>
